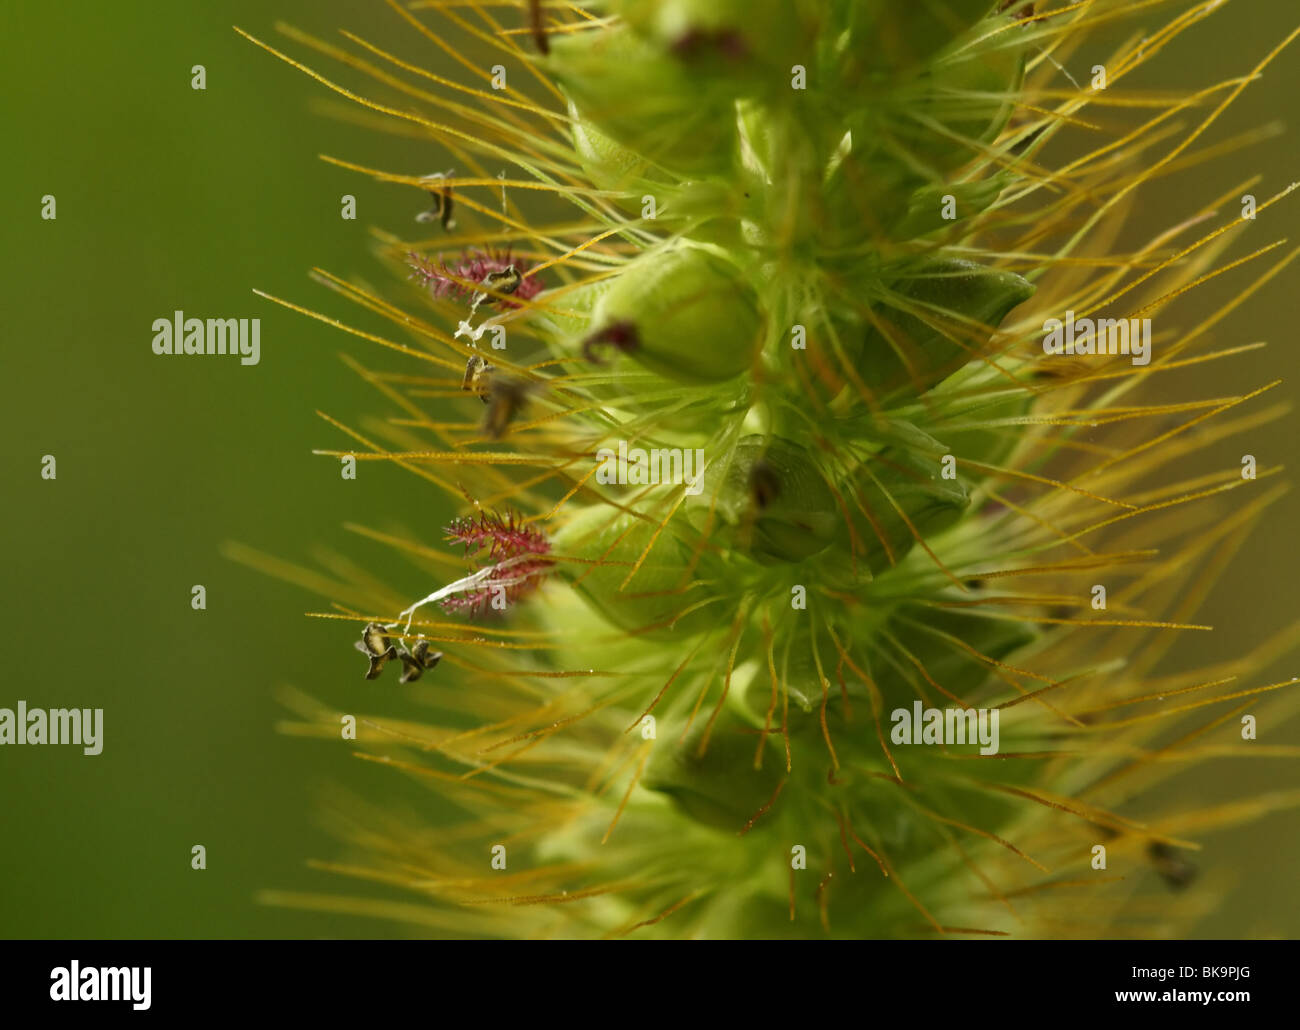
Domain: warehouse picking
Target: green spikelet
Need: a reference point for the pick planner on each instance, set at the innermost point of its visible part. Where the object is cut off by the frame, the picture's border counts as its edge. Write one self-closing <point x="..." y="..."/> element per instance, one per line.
<point x="771" y="468"/>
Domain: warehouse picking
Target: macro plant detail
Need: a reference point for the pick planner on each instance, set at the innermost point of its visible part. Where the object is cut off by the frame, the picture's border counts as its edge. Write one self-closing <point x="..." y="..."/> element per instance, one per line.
<point x="818" y="243"/>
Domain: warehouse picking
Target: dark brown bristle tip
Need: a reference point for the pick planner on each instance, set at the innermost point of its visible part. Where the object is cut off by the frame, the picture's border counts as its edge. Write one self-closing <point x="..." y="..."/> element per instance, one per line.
<point x="539" y="28"/>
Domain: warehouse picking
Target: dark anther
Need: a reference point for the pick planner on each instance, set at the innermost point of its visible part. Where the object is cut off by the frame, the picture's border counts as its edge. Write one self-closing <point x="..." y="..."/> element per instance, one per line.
<point x="505" y="281"/>
<point x="1175" y="870"/>
<point x="376" y="646"/>
<point x="477" y="377"/>
<point x="441" y="210"/>
<point x="505" y="397"/>
<point x="417" y="660"/>
<point x="622" y="336"/>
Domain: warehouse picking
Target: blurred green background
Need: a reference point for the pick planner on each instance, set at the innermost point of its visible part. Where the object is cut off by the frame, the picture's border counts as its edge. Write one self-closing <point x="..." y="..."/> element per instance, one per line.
<point x="173" y="198"/>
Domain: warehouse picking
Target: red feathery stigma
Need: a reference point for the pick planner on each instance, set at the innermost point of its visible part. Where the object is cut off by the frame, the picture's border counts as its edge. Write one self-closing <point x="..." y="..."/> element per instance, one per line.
<point x="518" y="553"/>
<point x="509" y="582"/>
<point x="502" y="534"/>
<point x="462" y="278"/>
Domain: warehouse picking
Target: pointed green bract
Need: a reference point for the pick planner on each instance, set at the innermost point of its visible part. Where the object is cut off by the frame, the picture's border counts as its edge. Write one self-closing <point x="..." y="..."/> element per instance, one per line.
<point x="690" y="315"/>
<point x="774" y="500"/>
<point x="937" y="320"/>
<point x="672" y="126"/>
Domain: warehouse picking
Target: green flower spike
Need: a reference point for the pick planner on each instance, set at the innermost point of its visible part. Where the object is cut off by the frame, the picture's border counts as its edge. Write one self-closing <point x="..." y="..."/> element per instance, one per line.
<point x="829" y="602"/>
